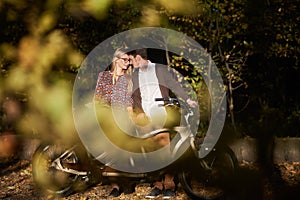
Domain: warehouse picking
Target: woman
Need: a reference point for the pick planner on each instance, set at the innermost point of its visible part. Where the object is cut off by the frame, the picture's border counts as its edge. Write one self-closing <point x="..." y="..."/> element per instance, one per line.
<point x="113" y="91"/>
<point x="113" y="86"/>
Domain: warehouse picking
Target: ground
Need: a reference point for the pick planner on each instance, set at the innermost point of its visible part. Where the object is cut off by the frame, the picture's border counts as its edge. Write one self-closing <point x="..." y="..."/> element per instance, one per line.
<point x="16" y="184"/>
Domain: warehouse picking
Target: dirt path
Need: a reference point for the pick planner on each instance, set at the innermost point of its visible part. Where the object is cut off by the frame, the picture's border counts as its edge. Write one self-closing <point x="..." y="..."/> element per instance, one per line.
<point x="16" y="184"/>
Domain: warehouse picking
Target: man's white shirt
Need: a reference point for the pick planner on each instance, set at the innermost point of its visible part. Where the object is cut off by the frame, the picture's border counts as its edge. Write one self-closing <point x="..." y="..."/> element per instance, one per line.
<point x="149" y="88"/>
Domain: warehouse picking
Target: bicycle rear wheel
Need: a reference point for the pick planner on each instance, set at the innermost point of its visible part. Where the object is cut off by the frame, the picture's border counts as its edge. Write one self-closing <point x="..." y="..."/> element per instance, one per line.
<point x="209" y="178"/>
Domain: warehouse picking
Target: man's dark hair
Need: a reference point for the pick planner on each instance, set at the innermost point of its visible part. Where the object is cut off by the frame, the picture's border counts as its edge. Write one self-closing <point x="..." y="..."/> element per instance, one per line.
<point x="141" y="52"/>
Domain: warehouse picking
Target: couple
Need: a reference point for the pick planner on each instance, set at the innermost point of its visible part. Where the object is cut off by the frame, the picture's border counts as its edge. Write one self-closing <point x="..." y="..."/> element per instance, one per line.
<point x="134" y="92"/>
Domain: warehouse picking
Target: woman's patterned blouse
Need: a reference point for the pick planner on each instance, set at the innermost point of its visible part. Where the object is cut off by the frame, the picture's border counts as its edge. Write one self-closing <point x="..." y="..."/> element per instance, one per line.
<point x="116" y="95"/>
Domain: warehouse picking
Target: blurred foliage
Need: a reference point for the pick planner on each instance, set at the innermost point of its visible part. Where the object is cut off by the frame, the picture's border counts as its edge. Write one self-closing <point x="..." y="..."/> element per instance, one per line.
<point x="255" y="45"/>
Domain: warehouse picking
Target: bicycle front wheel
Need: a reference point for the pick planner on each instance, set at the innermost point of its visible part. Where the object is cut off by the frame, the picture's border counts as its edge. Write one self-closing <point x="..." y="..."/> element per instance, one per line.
<point x="209" y="178"/>
<point x="46" y="176"/>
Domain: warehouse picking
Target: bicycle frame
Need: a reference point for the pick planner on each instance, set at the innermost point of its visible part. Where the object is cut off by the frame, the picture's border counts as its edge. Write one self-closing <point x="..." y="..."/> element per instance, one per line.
<point x="68" y="159"/>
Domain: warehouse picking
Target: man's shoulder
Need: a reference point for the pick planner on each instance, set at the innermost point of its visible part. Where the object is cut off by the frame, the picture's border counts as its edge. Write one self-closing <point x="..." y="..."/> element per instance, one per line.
<point x="161" y="67"/>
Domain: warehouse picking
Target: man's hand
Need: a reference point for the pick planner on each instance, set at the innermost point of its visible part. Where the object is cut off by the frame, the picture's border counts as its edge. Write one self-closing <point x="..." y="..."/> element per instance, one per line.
<point x="140" y="119"/>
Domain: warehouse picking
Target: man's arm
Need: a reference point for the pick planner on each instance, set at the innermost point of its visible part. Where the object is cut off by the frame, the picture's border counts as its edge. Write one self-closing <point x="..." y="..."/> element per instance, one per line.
<point x="168" y="78"/>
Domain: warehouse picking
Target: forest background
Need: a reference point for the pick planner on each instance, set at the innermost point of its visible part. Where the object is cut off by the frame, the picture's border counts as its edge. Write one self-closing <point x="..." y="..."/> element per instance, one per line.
<point x="254" y="44"/>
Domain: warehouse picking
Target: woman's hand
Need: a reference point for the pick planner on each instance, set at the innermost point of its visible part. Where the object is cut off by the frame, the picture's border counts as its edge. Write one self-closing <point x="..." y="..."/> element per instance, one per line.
<point x="192" y="103"/>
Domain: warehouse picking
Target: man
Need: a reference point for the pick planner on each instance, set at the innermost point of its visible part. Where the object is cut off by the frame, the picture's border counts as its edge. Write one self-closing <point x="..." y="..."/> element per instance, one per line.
<point x="150" y="81"/>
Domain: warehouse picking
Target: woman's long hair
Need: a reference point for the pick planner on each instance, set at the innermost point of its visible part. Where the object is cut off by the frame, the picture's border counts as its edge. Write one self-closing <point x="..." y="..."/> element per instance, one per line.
<point x="127" y="73"/>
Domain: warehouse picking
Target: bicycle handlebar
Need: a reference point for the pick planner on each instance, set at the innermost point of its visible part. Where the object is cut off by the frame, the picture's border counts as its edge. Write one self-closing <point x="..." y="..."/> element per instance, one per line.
<point x="175" y="101"/>
<point x="167" y="99"/>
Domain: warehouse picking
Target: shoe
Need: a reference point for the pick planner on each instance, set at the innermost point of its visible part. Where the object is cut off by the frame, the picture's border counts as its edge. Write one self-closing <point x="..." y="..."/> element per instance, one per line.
<point x="114" y="193"/>
<point x="154" y="193"/>
<point x="169" y="194"/>
<point x="130" y="189"/>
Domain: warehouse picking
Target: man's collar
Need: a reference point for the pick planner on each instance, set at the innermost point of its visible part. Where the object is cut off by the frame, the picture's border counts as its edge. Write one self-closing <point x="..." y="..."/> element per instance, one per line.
<point x="144" y="67"/>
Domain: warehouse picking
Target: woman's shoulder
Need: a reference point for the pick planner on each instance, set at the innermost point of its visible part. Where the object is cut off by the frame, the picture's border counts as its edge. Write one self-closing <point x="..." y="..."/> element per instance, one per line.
<point x="104" y="73"/>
